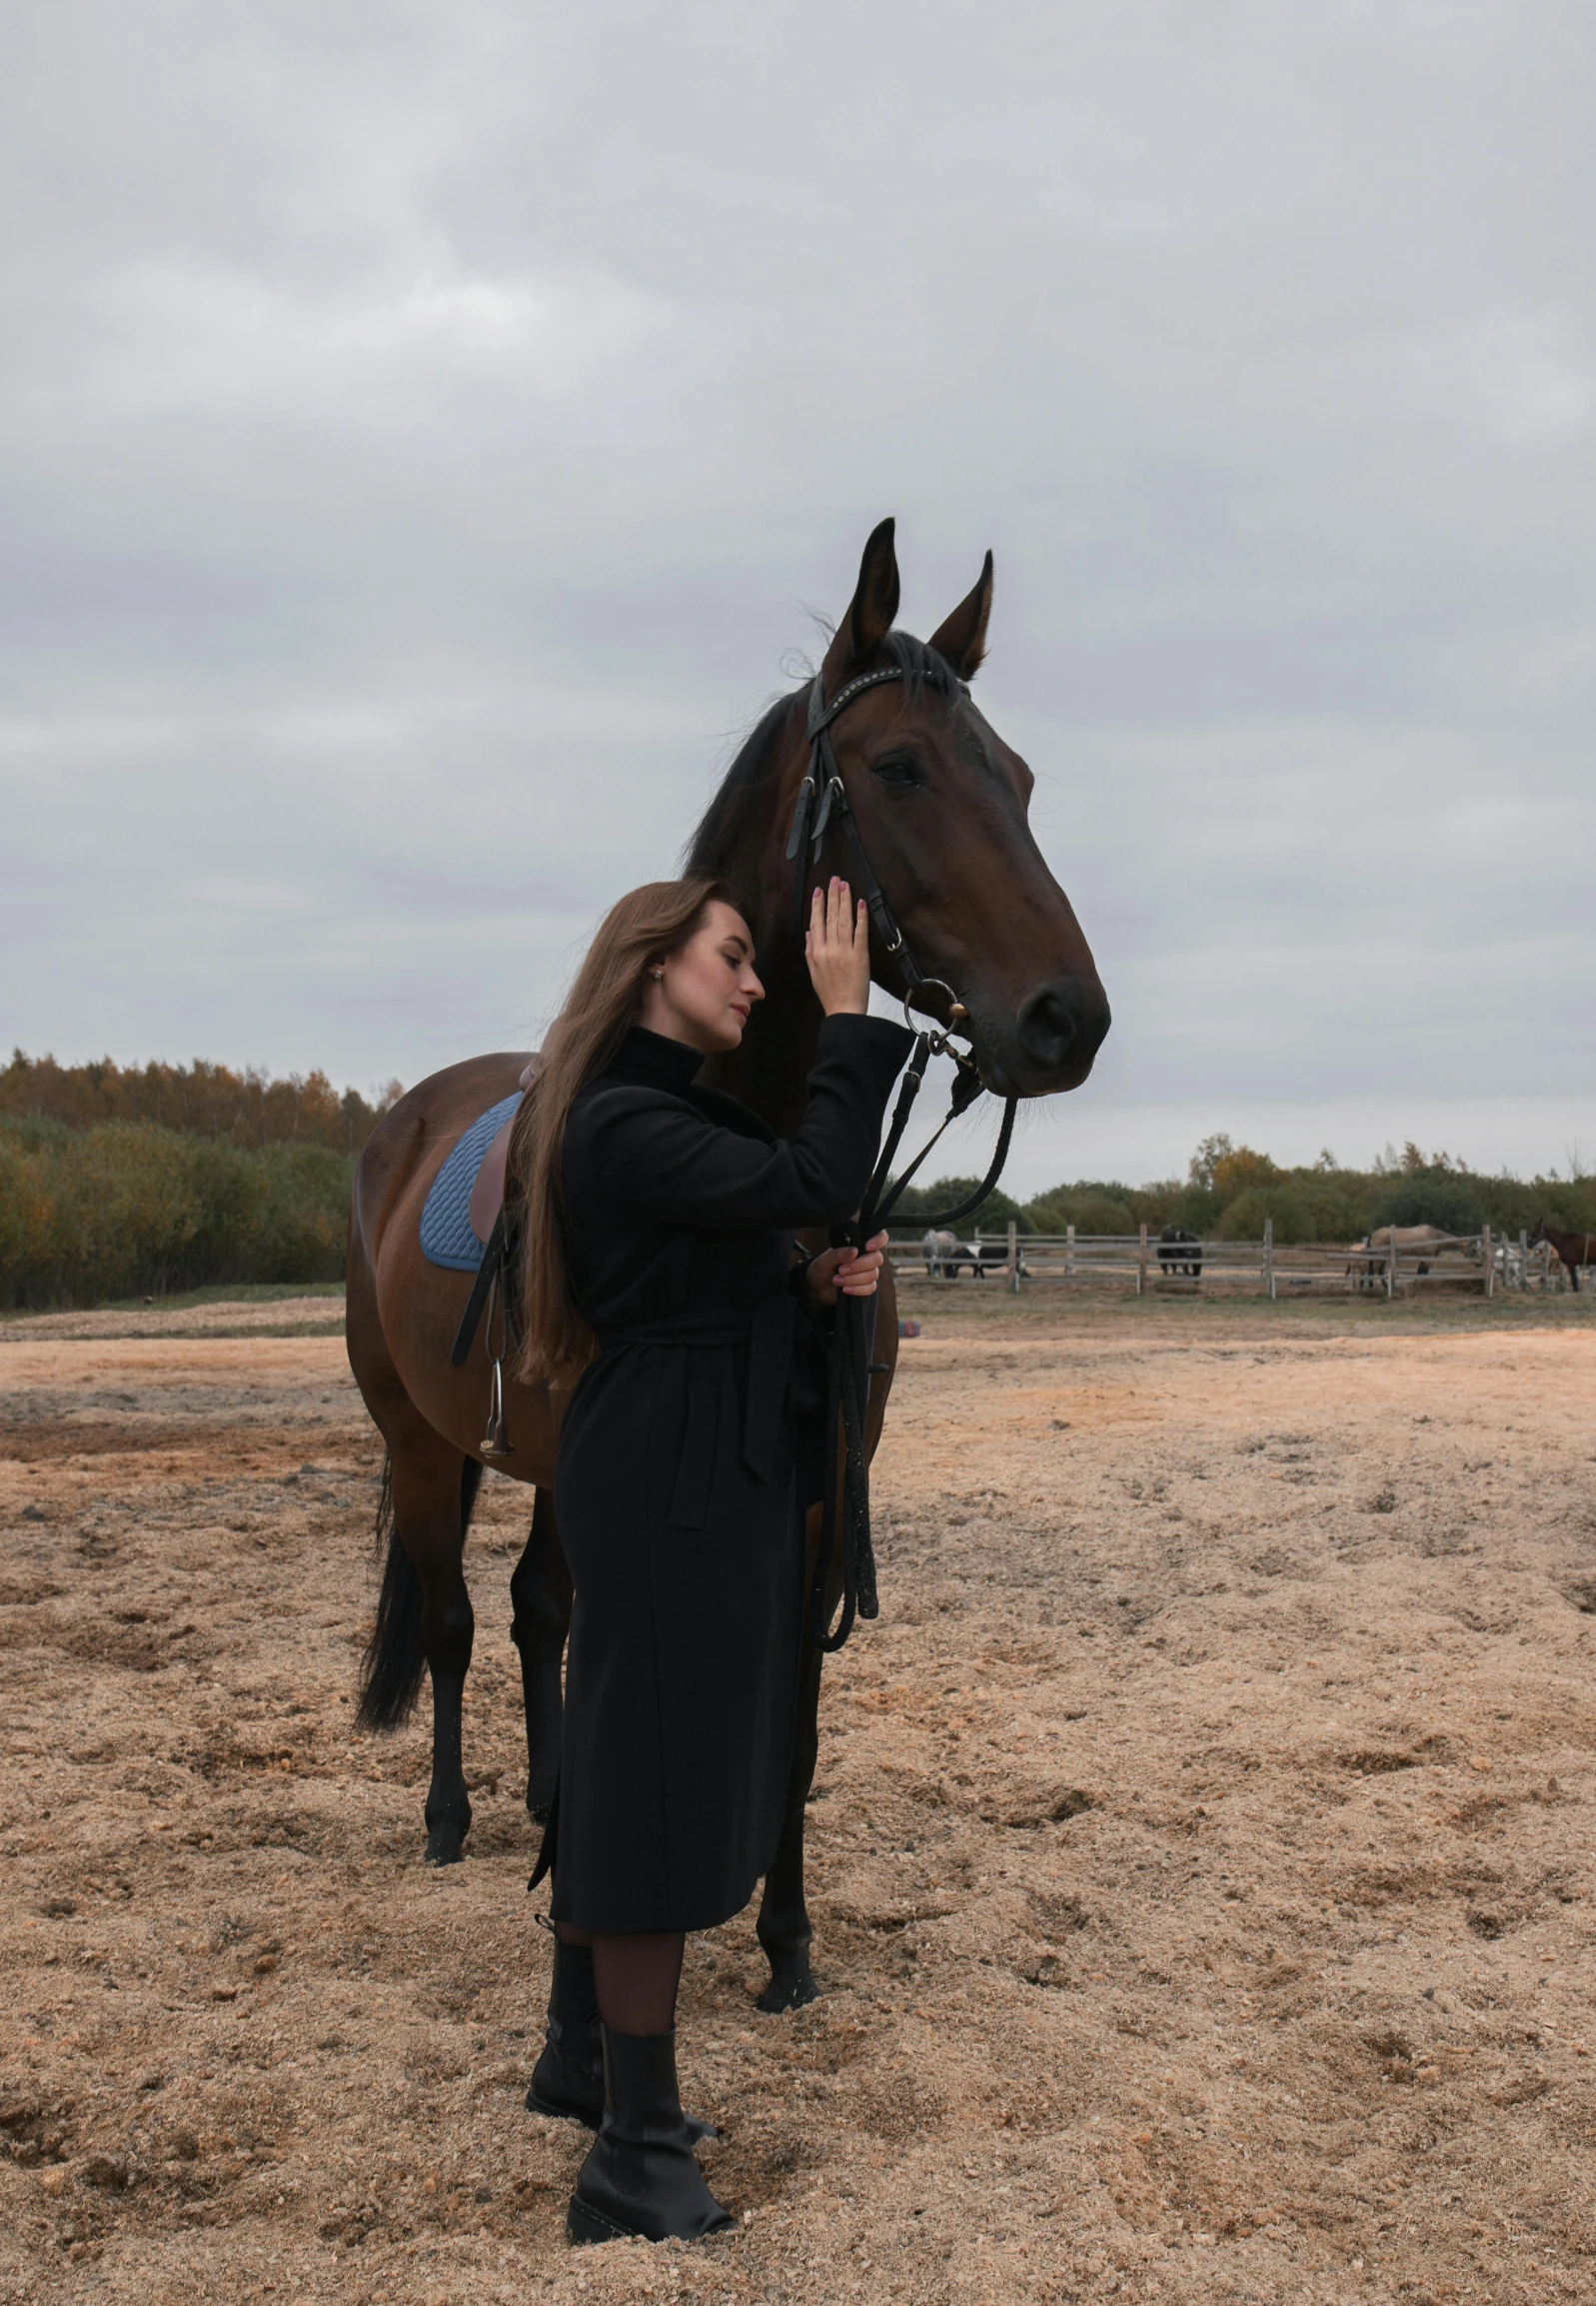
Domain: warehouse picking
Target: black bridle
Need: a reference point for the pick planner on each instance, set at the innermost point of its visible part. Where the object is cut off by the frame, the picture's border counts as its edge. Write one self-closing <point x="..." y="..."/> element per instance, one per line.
<point x="822" y="798"/>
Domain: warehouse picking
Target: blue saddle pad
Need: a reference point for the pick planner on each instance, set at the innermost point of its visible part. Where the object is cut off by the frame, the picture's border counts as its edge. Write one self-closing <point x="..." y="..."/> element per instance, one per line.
<point x="445" y="1235"/>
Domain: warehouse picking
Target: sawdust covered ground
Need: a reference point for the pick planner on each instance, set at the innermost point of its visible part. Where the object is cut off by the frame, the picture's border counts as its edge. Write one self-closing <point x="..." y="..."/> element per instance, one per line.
<point x="1201" y="1855"/>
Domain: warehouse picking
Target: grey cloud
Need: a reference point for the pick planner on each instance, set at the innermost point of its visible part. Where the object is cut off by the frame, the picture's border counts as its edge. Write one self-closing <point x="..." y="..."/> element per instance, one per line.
<point x="423" y="427"/>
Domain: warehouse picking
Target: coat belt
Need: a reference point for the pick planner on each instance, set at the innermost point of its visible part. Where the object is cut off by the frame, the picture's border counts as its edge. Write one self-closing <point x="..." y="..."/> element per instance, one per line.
<point x="767" y="1332"/>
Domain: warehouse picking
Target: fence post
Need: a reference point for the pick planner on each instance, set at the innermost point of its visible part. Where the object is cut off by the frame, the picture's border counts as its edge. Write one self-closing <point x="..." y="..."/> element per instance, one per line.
<point x="1390" y="1262"/>
<point x="1268" y="1255"/>
<point x="1490" y="1262"/>
<point x="1523" y="1259"/>
<point x="1013" y="1257"/>
<point x="1141" y="1264"/>
<point x="1069" y="1253"/>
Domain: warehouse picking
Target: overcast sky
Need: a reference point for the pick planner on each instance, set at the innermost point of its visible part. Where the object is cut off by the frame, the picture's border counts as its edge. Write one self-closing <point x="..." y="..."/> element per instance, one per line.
<point x="424" y="428"/>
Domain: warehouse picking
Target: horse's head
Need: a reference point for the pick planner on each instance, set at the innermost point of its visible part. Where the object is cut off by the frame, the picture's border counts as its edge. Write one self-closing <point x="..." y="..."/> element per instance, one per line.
<point x="940" y="803"/>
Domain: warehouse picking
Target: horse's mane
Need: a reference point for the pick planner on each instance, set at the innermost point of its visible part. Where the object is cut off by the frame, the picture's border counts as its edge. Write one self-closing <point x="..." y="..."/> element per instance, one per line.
<point x="720" y="846"/>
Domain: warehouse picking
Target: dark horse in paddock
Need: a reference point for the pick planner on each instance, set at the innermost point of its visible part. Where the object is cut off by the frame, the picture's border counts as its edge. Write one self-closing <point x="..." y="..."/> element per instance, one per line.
<point x="1575" y="1249"/>
<point x="1180" y="1252"/>
<point x="941" y="806"/>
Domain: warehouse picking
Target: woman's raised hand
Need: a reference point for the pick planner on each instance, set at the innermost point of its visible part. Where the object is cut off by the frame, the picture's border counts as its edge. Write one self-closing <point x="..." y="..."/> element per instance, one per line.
<point x="837" y="950"/>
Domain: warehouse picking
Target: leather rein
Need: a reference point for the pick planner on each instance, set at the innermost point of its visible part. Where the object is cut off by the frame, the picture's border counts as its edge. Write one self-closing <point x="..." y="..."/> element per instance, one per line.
<point x="822" y="798"/>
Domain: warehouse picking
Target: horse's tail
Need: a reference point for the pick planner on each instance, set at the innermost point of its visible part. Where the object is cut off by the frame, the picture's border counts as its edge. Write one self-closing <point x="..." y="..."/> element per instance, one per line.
<point x="395" y="1660"/>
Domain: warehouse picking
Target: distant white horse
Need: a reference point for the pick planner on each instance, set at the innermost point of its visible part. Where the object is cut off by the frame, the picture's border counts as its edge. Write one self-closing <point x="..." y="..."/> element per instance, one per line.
<point x="1509" y="1258"/>
<point x="942" y="1256"/>
<point x="945" y="1255"/>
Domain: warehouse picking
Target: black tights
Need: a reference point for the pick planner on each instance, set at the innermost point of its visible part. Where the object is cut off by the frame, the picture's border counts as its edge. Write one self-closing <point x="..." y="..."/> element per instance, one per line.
<point x="635" y="1976"/>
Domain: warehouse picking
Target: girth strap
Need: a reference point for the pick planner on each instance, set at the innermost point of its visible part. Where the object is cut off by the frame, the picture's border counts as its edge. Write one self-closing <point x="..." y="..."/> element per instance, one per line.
<point x="487" y="1272"/>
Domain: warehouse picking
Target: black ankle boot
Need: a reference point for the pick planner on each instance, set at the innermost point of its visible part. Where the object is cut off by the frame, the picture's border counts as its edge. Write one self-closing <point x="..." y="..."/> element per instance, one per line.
<point x="567" y="2080"/>
<point x="641" y="2177"/>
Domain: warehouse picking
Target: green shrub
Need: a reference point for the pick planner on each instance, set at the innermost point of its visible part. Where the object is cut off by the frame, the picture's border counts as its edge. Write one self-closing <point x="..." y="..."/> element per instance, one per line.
<point x="1091" y="1204"/>
<point x="1239" y="1169"/>
<point x="1334" y="1204"/>
<point x="129" y="1209"/>
<point x="1087" y="1209"/>
<point x="27" y="1201"/>
<point x="991" y="1215"/>
<point x="304" y="1222"/>
<point x="1432" y="1197"/>
<point x="1195" y="1209"/>
<point x="1286" y="1204"/>
<point x="1154" y="1206"/>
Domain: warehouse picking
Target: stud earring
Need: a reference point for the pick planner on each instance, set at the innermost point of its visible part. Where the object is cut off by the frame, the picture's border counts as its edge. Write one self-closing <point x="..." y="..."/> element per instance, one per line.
<point x="659" y="972"/>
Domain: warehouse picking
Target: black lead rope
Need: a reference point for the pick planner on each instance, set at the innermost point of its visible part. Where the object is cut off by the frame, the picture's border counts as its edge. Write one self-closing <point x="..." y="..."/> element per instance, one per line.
<point x="848" y="1372"/>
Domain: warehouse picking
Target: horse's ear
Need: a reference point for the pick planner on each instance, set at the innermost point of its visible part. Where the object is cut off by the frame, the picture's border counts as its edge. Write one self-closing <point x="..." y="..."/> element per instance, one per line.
<point x="871" y="612"/>
<point x="963" y="639"/>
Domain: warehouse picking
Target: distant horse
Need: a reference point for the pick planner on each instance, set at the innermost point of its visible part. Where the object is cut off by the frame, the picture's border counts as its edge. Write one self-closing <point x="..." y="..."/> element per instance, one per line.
<point x="946" y="1256"/>
<point x="941" y="1257"/>
<point x="1573" y="1249"/>
<point x="1426" y="1243"/>
<point x="940" y="802"/>
<point x="1175" y="1247"/>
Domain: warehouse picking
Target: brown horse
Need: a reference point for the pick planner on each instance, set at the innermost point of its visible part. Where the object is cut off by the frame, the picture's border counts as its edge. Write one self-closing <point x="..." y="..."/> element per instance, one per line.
<point x="1574" y="1250"/>
<point x="940" y="803"/>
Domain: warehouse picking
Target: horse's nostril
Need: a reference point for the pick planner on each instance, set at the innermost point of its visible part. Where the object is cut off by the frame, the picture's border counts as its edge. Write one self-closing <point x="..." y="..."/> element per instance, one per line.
<point x="1046" y="1025"/>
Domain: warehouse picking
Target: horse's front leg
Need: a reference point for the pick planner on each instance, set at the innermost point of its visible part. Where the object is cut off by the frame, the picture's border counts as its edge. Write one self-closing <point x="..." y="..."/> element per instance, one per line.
<point x="433" y="1495"/>
<point x="539" y="1594"/>
<point x="784" y="1923"/>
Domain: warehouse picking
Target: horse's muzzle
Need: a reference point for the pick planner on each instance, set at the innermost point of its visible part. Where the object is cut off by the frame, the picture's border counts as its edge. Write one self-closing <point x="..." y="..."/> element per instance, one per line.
<point x="1058" y="1030"/>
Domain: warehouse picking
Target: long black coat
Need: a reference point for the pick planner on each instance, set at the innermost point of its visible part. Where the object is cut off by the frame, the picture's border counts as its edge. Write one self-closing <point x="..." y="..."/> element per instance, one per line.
<point x="676" y="1485"/>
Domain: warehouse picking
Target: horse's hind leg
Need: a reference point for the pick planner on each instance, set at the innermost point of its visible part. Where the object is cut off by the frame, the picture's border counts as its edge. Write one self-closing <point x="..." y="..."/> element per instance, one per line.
<point x="784" y="1925"/>
<point x="539" y="1594"/>
<point x="435" y="1487"/>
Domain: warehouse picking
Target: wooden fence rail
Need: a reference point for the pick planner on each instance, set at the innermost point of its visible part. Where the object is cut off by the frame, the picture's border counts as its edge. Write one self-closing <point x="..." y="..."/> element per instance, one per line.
<point x="1270" y="1269"/>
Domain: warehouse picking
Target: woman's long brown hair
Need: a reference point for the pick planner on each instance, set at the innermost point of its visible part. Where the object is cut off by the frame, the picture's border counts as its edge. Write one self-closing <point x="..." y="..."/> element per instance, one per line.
<point x="645" y="927"/>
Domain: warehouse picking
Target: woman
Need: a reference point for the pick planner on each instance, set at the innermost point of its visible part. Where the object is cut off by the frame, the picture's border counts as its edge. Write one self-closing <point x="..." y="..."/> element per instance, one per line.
<point x="662" y="1278"/>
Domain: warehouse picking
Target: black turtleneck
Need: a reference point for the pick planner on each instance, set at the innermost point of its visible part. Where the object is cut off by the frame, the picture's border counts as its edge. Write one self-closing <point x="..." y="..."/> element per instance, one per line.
<point x="656" y="1058"/>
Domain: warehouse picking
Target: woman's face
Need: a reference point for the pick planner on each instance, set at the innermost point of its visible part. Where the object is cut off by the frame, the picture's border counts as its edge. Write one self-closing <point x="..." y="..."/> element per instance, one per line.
<point x="704" y="992"/>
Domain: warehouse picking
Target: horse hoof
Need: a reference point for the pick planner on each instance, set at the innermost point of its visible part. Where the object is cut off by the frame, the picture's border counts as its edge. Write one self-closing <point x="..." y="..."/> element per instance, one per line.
<point x="444" y="1849"/>
<point x="791" y="1988"/>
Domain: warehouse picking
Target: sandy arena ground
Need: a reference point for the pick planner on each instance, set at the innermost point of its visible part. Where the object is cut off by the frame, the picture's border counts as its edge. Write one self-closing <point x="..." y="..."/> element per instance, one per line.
<point x="1201" y="1850"/>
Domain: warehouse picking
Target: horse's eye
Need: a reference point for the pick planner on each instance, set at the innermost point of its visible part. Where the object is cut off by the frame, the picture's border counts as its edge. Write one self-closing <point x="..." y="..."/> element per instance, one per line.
<point x="900" y="773"/>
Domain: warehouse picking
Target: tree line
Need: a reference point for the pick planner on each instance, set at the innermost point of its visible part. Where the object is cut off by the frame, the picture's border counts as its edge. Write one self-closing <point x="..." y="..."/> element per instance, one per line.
<point x="1230" y="1190"/>
<point x="199" y="1099"/>
<point x="140" y="1182"/>
<point x="121" y="1181"/>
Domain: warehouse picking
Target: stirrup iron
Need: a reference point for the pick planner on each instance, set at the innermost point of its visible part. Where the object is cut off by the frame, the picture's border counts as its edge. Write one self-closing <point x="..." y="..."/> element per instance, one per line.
<point x="496" y="1441"/>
